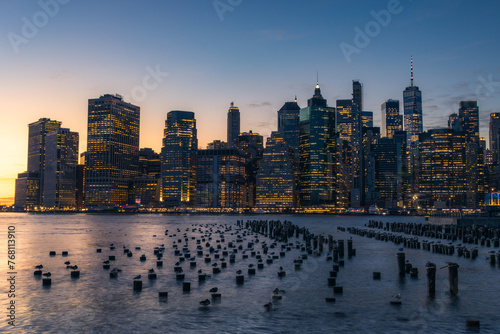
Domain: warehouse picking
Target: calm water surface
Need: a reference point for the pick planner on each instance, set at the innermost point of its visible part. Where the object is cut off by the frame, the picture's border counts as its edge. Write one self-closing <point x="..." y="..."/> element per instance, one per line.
<point x="94" y="303"/>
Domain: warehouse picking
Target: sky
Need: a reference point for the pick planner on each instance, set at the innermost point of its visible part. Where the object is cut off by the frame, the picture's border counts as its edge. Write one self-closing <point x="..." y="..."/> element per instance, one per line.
<point x="200" y="55"/>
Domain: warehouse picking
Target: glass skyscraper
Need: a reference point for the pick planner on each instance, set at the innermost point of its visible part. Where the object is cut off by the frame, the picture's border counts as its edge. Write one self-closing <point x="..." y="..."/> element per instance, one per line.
<point x="112" y="158"/>
<point x="413" y="124"/>
<point x="178" y="159"/>
<point x="318" y="158"/>
<point x="61" y="161"/>
<point x="275" y="178"/>
<point x="468" y="114"/>
<point x="233" y="125"/>
<point x="392" y="121"/>
<point x="36" y="149"/>
<point x="495" y="137"/>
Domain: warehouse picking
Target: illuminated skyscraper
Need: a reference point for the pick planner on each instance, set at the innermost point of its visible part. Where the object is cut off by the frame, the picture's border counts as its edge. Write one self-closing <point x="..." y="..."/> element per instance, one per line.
<point x="220" y="179"/>
<point x="468" y="114"/>
<point x="36" y="149"/>
<point x="233" y="125"/>
<point x="318" y="158"/>
<point x="442" y="174"/>
<point x="413" y="124"/>
<point x="391" y="181"/>
<point x="251" y="145"/>
<point x="112" y="158"/>
<point x="275" y="178"/>
<point x="178" y="159"/>
<point x="367" y="119"/>
<point x="27" y="190"/>
<point x="61" y="161"/>
<point x="288" y="124"/>
<point x="392" y="121"/>
<point x="149" y="163"/>
<point x="495" y="137"/>
<point x="453" y="122"/>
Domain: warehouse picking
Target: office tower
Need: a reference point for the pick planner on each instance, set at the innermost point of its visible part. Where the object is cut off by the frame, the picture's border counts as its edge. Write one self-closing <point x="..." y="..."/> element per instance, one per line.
<point x="391" y="181"/>
<point x="453" y="122"/>
<point x="468" y="114"/>
<point x="36" y="149"/>
<point x="357" y="94"/>
<point x="367" y="119"/>
<point x="145" y="191"/>
<point x="251" y="145"/>
<point x="392" y="121"/>
<point x="233" y="125"/>
<point x="495" y="137"/>
<point x="112" y="158"/>
<point x="27" y="193"/>
<point x="442" y="174"/>
<point x="220" y="179"/>
<point x="178" y="159"/>
<point x="413" y="124"/>
<point x="318" y="158"/>
<point x="61" y="161"/>
<point x="371" y="136"/>
<point x="149" y="163"/>
<point x="288" y="124"/>
<point x="348" y="121"/>
<point x="217" y="145"/>
<point x="275" y="178"/>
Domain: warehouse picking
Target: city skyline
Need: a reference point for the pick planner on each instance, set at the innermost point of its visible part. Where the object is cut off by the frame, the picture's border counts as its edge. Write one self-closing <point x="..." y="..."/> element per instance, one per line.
<point x="259" y="62"/>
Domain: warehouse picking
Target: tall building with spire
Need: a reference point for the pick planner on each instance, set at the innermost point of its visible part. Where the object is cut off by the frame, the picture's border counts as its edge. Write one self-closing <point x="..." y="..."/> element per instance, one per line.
<point x="233" y="125"/>
<point x="178" y="159"/>
<point x="318" y="157"/>
<point x="413" y="124"/>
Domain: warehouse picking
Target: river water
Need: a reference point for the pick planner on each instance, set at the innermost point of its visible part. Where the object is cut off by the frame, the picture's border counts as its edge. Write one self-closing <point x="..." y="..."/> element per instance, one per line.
<point x="96" y="303"/>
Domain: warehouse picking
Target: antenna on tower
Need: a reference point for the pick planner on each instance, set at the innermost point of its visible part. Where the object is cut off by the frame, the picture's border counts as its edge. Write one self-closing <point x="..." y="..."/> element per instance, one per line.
<point x="411" y="67"/>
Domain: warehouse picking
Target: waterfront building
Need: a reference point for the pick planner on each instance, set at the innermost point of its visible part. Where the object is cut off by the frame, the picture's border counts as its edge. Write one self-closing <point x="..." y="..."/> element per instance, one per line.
<point x="318" y="156"/>
<point x="145" y="191"/>
<point x="220" y="179"/>
<point x="178" y="159"/>
<point x="60" y="176"/>
<point x="275" y="178"/>
<point x="37" y="135"/>
<point x="27" y="193"/>
<point x="251" y="146"/>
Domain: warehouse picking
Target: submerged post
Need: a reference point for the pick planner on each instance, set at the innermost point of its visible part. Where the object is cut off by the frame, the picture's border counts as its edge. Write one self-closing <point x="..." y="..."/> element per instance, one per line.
<point x="453" y="277"/>
<point x="401" y="264"/>
<point x="431" y="278"/>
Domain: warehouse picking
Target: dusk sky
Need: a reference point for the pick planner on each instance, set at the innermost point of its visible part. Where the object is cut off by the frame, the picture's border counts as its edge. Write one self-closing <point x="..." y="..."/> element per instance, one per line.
<point x="257" y="53"/>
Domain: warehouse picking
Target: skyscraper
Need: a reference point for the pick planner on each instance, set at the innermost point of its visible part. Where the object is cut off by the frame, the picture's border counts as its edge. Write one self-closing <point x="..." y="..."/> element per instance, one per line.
<point x="392" y="121"/>
<point x="413" y="124"/>
<point x="178" y="159"/>
<point x="288" y="124"/>
<point x="251" y="145"/>
<point x="468" y="114"/>
<point x="61" y="161"/>
<point x="233" y="125"/>
<point x="220" y="179"/>
<point x="36" y="149"/>
<point x="275" y="178"/>
<point x="112" y="158"/>
<point x="348" y="121"/>
<point x="318" y="158"/>
<point x="442" y="174"/>
<point x="453" y="122"/>
<point x="367" y="119"/>
<point x="495" y="137"/>
<point x="27" y="193"/>
<point x="357" y="94"/>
